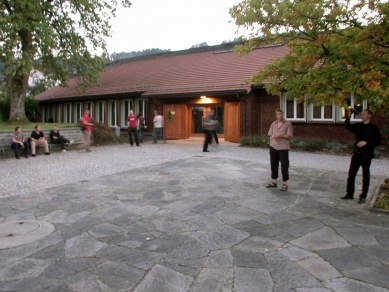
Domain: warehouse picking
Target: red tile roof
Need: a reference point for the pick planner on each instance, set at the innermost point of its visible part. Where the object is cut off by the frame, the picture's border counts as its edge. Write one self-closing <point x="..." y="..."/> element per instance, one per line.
<point x="197" y="73"/>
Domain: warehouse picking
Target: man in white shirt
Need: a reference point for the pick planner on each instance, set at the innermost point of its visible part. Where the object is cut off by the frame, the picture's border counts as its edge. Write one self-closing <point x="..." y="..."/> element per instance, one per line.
<point x="158" y="125"/>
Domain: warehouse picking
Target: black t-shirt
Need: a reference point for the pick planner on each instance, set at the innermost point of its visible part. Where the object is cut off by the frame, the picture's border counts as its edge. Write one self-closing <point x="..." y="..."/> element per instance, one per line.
<point x="54" y="134"/>
<point x="37" y="136"/>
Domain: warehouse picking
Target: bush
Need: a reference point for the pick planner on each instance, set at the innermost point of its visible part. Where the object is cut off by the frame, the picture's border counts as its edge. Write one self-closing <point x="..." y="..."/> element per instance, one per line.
<point x="255" y="141"/>
<point x="334" y="146"/>
<point x="313" y="145"/>
<point x="296" y="143"/>
<point x="103" y="135"/>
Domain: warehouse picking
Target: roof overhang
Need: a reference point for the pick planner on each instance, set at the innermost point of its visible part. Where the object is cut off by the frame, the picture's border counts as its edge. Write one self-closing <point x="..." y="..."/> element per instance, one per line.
<point x="87" y="97"/>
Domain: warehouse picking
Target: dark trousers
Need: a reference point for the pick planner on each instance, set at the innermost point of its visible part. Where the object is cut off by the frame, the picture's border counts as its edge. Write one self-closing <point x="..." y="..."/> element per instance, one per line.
<point x="276" y="157"/>
<point x="215" y="136"/>
<point x="140" y="135"/>
<point x="135" y="132"/>
<point x="16" y="146"/>
<point x="357" y="160"/>
<point x="61" y="140"/>
<point x="207" y="139"/>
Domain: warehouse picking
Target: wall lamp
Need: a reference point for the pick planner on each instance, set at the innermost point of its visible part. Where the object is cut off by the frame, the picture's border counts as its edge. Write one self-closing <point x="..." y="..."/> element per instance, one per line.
<point x="203" y="96"/>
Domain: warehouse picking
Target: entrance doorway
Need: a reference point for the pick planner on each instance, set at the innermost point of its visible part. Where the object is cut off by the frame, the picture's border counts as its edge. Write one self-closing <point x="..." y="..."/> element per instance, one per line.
<point x="196" y="114"/>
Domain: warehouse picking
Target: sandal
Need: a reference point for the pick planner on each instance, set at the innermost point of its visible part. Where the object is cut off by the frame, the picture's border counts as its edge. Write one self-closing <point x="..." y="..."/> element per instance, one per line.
<point x="284" y="188"/>
<point x="272" y="185"/>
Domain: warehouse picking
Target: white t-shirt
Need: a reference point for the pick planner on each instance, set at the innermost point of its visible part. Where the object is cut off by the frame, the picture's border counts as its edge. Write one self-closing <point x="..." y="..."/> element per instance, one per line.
<point x="158" y="121"/>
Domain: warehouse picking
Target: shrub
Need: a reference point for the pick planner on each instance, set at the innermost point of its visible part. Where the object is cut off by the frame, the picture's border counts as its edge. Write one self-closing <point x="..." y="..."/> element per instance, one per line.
<point x="314" y="144"/>
<point x="103" y="135"/>
<point x="334" y="146"/>
<point x="296" y="143"/>
<point x="255" y="141"/>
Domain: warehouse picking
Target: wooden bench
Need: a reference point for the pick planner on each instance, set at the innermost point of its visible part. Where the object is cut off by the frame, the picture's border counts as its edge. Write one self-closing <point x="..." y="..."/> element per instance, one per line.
<point x="69" y="133"/>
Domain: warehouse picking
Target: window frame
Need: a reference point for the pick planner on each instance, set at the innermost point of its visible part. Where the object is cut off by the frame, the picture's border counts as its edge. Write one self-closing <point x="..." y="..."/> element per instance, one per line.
<point x="322" y="119"/>
<point x="68" y="113"/>
<point x="284" y="101"/>
<point x="97" y="116"/>
<point x="352" y="105"/>
<point x="124" y="113"/>
<point x="115" y="113"/>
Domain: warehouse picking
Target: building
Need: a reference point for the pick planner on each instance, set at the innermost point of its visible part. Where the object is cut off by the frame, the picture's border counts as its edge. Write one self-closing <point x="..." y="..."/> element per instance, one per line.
<point x="183" y="85"/>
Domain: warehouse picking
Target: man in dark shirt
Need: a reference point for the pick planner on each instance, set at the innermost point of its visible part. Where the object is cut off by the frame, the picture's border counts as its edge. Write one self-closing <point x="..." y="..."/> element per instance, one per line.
<point x="38" y="139"/>
<point x="367" y="137"/>
<point x="56" y="138"/>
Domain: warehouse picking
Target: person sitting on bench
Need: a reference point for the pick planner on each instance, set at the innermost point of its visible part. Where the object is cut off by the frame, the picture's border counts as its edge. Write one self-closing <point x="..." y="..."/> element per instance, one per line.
<point x="56" y="138"/>
<point x="38" y="139"/>
<point x="17" y="141"/>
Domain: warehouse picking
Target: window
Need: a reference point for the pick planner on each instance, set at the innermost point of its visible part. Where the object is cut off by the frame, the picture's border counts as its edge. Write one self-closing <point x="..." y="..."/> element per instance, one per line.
<point x="88" y="105"/>
<point x="100" y="111"/>
<point x="77" y="112"/>
<point x="113" y="113"/>
<point x="141" y="106"/>
<point x="59" y="115"/>
<point x="352" y="103"/>
<point x="126" y="106"/>
<point x="293" y="110"/>
<point x="68" y="113"/>
<point x="321" y="113"/>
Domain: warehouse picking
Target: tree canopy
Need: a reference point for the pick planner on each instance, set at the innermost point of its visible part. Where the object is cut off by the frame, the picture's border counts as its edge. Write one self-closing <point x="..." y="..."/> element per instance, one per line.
<point x="335" y="47"/>
<point x="54" y="36"/>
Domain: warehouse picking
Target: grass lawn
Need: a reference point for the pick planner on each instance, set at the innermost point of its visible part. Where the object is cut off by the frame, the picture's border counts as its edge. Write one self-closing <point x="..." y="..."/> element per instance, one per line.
<point x="30" y="127"/>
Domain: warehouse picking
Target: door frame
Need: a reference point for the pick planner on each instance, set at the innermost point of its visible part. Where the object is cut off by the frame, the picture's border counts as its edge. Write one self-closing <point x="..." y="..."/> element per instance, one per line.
<point x="205" y="105"/>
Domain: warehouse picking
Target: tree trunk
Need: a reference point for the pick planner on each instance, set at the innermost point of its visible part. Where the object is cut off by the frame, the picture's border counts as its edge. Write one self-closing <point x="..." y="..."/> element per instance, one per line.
<point x="18" y="87"/>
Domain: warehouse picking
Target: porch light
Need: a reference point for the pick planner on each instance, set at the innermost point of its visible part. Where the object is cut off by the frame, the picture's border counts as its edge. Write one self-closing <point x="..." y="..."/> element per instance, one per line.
<point x="203" y="96"/>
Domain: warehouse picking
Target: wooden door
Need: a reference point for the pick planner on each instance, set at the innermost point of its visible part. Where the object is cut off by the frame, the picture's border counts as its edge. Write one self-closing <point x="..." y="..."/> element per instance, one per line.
<point x="176" y="126"/>
<point x="232" y="121"/>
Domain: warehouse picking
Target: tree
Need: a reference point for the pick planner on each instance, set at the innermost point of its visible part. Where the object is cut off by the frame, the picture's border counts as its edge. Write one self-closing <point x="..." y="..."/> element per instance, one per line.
<point x="335" y="47"/>
<point x="55" y="37"/>
<point x="203" y="44"/>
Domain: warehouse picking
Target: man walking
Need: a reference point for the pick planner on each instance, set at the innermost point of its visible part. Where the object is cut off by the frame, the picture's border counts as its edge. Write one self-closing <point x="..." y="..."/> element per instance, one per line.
<point x="208" y="126"/>
<point x="158" y="125"/>
<point x="280" y="133"/>
<point x="86" y="122"/>
<point x="132" y="124"/>
<point x="367" y="136"/>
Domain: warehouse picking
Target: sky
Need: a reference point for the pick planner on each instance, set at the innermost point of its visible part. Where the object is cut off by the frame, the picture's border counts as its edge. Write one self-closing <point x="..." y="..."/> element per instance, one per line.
<point x="171" y="24"/>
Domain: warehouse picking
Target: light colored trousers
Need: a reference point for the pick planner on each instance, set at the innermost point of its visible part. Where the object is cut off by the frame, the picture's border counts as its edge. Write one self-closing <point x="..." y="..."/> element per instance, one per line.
<point x="39" y="143"/>
<point x="86" y="139"/>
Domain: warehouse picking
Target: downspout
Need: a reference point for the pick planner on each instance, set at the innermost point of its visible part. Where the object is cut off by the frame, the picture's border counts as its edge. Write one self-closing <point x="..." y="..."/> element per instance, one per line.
<point x="244" y="114"/>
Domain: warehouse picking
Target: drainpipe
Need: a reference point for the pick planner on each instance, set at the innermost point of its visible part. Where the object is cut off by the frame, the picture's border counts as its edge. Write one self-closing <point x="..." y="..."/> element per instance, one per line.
<point x="244" y="114"/>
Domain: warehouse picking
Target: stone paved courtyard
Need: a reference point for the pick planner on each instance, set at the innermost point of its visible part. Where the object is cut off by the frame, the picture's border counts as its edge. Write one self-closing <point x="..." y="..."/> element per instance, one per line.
<point x="171" y="218"/>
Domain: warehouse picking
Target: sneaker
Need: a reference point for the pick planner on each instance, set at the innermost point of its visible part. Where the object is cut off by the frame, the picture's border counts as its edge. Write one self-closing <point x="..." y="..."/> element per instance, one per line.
<point x="33" y="155"/>
<point x="64" y="151"/>
<point x="47" y="153"/>
<point x="71" y="142"/>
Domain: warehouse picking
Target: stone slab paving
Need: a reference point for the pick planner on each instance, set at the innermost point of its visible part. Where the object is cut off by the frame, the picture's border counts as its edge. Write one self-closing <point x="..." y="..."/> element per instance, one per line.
<point x="171" y="218"/>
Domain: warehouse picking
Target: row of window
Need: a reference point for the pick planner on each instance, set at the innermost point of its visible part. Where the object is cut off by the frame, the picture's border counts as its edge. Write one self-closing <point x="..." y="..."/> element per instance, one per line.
<point x="72" y="112"/>
<point x="329" y="113"/>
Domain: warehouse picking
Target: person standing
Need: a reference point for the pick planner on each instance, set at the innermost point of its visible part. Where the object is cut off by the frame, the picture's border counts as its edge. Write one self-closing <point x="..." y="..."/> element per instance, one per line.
<point x="38" y="139"/>
<point x="280" y="133"/>
<point x="367" y="136"/>
<point x="158" y="125"/>
<point x="17" y="141"/>
<point x="132" y="124"/>
<point x="141" y="120"/>
<point x="86" y="122"/>
<point x="214" y="127"/>
<point x="56" y="138"/>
